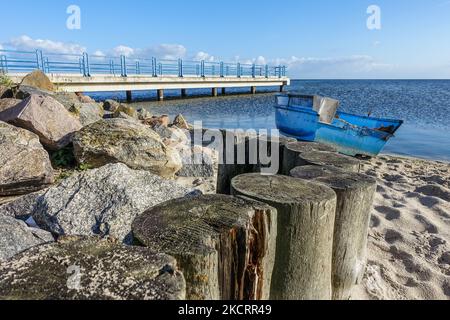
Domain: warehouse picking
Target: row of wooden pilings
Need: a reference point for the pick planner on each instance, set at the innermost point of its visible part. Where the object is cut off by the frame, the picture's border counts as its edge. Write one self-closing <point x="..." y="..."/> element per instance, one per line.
<point x="297" y="235"/>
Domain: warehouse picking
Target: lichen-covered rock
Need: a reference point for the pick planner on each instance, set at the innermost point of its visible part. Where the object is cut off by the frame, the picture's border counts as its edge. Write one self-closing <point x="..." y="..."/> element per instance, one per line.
<point x="78" y="268"/>
<point x="16" y="236"/>
<point x="22" y="92"/>
<point x="103" y="201"/>
<point x="24" y="164"/>
<point x="129" y="111"/>
<point x="46" y="117"/>
<point x="69" y="100"/>
<point x="8" y="103"/>
<point x="37" y="79"/>
<point x="22" y="207"/>
<point x="143" y="114"/>
<point x="89" y="113"/>
<point x="111" y="105"/>
<point x="180" y="122"/>
<point x="6" y="92"/>
<point x="128" y="142"/>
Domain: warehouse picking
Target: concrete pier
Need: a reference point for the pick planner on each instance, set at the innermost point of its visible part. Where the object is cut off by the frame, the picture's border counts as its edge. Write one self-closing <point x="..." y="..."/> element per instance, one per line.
<point x="253" y="90"/>
<point x="214" y="92"/>
<point x="129" y="96"/>
<point x="160" y="94"/>
<point x="223" y="91"/>
<point x="183" y="93"/>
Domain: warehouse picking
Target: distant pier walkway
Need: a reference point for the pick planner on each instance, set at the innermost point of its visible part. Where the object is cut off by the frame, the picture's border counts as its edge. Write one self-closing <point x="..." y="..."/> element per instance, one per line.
<point x="94" y="73"/>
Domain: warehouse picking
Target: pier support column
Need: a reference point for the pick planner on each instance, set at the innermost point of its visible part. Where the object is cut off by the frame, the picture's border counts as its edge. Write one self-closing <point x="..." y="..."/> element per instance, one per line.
<point x="223" y="91"/>
<point x="129" y="96"/>
<point x="214" y="92"/>
<point x="183" y="93"/>
<point x="160" y="94"/>
<point x="281" y="88"/>
<point x="253" y="90"/>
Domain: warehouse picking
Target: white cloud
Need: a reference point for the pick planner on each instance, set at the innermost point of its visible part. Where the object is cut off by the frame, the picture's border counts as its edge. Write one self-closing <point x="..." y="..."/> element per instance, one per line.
<point x="26" y="43"/>
<point x="123" y="50"/>
<point x="204" y="56"/>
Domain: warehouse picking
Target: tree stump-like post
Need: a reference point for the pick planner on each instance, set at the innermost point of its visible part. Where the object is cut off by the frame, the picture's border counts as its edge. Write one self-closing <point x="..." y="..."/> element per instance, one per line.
<point x="355" y="194"/>
<point x="293" y="150"/>
<point x="306" y="213"/>
<point x="280" y="144"/>
<point x="224" y="245"/>
<point x="320" y="158"/>
<point x="313" y="172"/>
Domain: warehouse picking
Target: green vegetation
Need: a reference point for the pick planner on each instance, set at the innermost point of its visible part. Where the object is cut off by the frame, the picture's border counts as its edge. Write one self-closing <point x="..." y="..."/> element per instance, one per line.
<point x="6" y="81"/>
<point x="63" y="158"/>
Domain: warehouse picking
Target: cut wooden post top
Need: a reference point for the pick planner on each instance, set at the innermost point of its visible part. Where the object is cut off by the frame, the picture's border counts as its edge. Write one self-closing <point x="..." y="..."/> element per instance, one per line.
<point x="303" y="146"/>
<point x="281" y="189"/>
<point x="185" y="226"/>
<point x="320" y="158"/>
<point x="347" y="181"/>
<point x="313" y="172"/>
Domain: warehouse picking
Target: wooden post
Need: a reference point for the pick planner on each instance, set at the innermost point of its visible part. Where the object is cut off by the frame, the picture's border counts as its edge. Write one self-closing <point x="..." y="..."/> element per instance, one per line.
<point x="319" y="158"/>
<point x="224" y="245"/>
<point x="306" y="212"/>
<point x="253" y="90"/>
<point x="129" y="96"/>
<point x="281" y="145"/>
<point x="355" y="194"/>
<point x="183" y="93"/>
<point x="312" y="172"/>
<point x="160" y="93"/>
<point x="293" y="150"/>
<point x="214" y="92"/>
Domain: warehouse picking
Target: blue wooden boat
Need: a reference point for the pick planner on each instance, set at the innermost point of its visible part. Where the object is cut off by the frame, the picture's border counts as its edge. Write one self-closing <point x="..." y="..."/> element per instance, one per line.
<point x="315" y="118"/>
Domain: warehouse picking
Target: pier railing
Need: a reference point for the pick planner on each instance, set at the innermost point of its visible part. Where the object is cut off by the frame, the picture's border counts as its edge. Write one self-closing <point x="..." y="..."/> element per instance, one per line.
<point x="12" y="61"/>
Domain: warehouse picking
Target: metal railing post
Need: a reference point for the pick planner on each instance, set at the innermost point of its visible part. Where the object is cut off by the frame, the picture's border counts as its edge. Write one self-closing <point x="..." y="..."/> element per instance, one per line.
<point x="138" y="67"/>
<point x="4" y="63"/>
<point x="267" y="71"/>
<point x="279" y="71"/>
<point x="221" y="70"/>
<point x="123" y="63"/>
<point x="160" y="67"/>
<point x="253" y="71"/>
<point x="202" y="69"/>
<point x="87" y="71"/>
<point x="154" y="67"/>
<point x="238" y="70"/>
<point x="180" y="68"/>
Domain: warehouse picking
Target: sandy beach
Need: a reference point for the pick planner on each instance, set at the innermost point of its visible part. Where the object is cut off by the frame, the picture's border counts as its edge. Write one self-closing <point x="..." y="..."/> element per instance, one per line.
<point x="409" y="236"/>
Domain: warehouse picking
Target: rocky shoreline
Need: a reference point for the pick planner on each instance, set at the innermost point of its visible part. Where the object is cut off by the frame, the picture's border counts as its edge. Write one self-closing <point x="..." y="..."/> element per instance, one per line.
<point x="86" y="186"/>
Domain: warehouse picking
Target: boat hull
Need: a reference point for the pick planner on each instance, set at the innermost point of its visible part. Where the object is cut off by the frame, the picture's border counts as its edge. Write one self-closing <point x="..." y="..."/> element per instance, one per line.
<point x="349" y="134"/>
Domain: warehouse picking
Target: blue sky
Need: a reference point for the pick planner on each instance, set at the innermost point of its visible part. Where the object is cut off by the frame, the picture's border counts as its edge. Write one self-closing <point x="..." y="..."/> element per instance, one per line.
<point x="316" y="39"/>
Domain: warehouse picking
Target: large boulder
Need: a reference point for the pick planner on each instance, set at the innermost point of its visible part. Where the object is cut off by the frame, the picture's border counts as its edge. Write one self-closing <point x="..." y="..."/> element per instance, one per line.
<point x="46" y="117"/>
<point x="89" y="113"/>
<point x="22" y="207"/>
<point x="7" y="103"/>
<point x="103" y="201"/>
<point x="37" y="79"/>
<point x="6" y="92"/>
<point x="198" y="161"/>
<point x="111" y="105"/>
<point x="24" y="164"/>
<point x="128" y="142"/>
<point x="81" y="268"/>
<point x="69" y="100"/>
<point x="16" y="236"/>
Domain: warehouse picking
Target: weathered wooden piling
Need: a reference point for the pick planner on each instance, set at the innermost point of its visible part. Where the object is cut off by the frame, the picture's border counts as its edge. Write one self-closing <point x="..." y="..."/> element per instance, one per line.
<point x="355" y="194"/>
<point x="249" y="154"/>
<point x="306" y="212"/>
<point x="293" y="150"/>
<point x="224" y="245"/>
<point x="313" y="172"/>
<point x="319" y="158"/>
